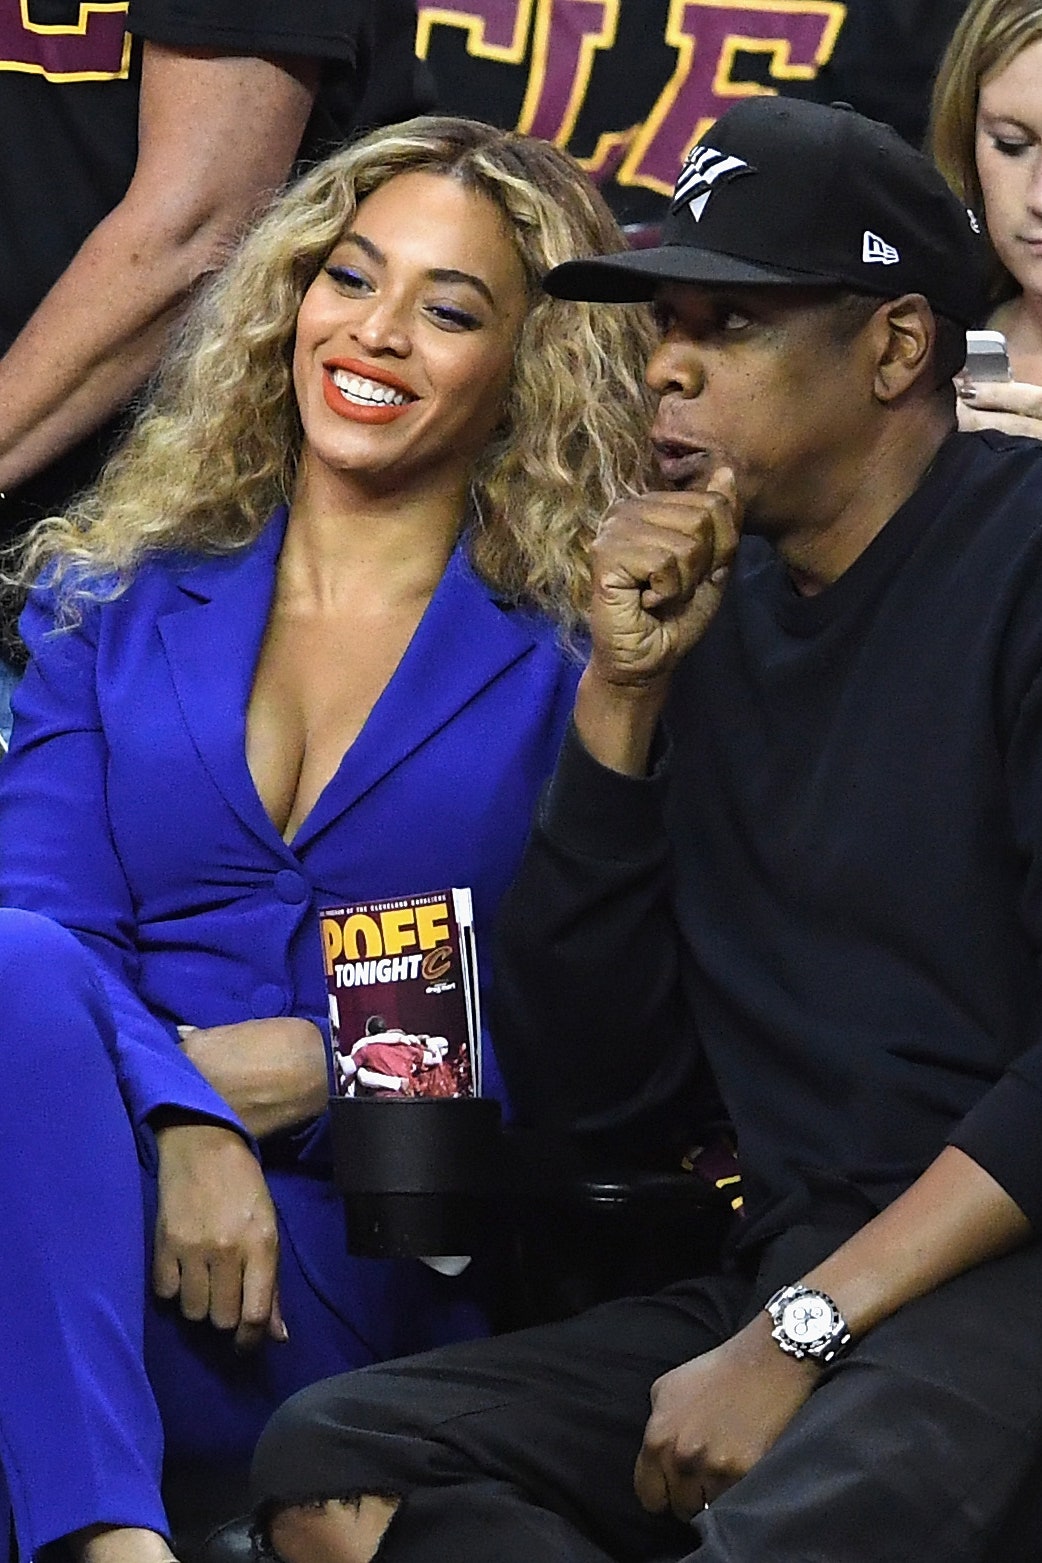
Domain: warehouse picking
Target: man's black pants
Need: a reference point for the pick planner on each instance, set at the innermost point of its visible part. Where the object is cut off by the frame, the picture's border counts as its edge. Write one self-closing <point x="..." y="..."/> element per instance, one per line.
<point x="520" y="1449"/>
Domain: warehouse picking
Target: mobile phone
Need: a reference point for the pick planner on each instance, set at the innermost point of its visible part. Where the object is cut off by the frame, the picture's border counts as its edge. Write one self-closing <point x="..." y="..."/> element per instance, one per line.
<point x="986" y="356"/>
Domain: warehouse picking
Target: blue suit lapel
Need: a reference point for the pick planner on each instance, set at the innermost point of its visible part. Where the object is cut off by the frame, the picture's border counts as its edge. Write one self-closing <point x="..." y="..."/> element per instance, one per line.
<point x="212" y="643"/>
<point x="464" y="641"/>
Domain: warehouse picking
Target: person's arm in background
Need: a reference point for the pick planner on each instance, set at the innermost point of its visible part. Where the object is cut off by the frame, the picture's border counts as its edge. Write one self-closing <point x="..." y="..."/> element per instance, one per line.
<point x="217" y="134"/>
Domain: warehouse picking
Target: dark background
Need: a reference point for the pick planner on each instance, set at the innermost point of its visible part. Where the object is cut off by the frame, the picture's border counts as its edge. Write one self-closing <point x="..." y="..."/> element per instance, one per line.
<point x="883" y="62"/>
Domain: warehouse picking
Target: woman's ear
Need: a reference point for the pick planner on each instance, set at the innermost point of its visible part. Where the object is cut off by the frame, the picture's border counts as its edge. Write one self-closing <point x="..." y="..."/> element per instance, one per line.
<point x="905" y="332"/>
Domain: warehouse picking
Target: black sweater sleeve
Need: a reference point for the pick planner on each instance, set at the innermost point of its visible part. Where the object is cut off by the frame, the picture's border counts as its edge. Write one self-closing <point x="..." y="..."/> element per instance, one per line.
<point x="590" y="1019"/>
<point x="1003" y="1132"/>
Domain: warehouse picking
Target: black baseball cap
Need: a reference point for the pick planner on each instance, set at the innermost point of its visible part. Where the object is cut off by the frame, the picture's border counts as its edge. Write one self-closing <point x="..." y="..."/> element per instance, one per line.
<point x="787" y="192"/>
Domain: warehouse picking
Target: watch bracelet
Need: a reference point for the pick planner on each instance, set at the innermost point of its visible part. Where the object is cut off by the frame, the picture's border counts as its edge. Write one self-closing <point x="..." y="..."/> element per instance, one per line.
<point x="824" y="1351"/>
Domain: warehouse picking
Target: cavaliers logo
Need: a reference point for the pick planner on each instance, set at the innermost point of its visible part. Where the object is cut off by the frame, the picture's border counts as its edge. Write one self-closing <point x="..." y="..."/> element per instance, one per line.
<point x="437" y="963"/>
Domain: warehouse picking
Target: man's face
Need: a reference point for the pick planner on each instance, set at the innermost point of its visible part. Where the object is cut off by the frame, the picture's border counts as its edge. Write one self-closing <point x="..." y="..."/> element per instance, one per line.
<point x="759" y="379"/>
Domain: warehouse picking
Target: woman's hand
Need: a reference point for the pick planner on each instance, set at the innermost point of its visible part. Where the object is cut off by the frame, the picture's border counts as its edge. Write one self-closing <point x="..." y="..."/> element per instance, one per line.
<point x="1011" y="406"/>
<point x="216" y="1242"/>
<point x="272" y="1073"/>
<point x="714" y="1417"/>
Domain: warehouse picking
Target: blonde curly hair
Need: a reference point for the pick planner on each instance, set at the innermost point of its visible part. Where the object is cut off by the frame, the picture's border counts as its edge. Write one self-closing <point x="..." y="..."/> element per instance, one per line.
<point x="990" y="34"/>
<point x="216" y="444"/>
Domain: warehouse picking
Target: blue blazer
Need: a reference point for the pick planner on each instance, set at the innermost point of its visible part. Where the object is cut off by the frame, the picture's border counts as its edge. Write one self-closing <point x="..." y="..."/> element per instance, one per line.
<point x="128" y="813"/>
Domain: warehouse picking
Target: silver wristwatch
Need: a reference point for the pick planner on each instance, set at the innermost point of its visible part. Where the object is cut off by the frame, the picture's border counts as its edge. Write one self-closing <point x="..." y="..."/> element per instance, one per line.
<point x="807" y="1323"/>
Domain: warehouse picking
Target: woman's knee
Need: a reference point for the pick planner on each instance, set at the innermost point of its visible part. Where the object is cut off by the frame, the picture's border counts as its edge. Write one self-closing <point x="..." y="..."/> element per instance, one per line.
<point x="55" y="1014"/>
<point x="41" y="962"/>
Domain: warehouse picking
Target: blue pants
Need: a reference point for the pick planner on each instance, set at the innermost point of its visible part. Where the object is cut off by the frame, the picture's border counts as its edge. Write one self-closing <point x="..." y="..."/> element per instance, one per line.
<point x="97" y="1377"/>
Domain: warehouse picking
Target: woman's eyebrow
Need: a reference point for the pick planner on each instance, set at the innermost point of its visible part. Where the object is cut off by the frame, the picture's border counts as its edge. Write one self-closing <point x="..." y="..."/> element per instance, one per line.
<point x="436" y="274"/>
<point x="365" y="245"/>
<point x="449" y="274"/>
<point x="997" y="117"/>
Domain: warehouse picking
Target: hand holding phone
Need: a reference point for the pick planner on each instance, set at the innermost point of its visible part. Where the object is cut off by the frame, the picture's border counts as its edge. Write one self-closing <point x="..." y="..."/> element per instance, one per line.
<point x="988" y="395"/>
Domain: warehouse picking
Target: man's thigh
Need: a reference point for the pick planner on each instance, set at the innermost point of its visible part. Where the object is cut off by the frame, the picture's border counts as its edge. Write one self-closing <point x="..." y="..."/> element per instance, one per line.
<point x="914" y="1445"/>
<point x="557" y="1412"/>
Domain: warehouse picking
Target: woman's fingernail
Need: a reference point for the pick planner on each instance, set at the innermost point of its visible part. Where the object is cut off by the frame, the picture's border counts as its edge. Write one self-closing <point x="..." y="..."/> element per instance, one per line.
<point x="967" y="393"/>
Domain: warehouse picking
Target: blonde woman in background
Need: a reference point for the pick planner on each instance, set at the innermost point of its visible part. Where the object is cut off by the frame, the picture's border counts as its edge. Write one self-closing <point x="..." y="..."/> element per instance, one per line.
<point x="986" y="138"/>
<point x="309" y="641"/>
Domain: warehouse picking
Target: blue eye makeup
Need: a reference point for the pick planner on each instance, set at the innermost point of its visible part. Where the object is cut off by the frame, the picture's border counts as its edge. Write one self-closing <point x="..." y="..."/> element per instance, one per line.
<point x="346" y="276"/>
<point x="453" y="315"/>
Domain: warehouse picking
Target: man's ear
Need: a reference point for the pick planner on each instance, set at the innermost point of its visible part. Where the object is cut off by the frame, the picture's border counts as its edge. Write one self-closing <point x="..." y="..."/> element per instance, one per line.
<point x="905" y="332"/>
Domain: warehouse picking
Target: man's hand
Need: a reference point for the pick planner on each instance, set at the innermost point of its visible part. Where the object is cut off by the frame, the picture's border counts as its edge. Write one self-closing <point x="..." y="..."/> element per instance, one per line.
<point x="272" y="1073"/>
<point x="713" y="1418"/>
<point x="659" y="566"/>
<point x="216" y="1244"/>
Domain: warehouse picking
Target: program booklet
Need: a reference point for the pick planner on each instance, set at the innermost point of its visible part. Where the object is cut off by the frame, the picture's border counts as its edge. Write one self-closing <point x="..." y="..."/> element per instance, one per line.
<point x="404" y="1007"/>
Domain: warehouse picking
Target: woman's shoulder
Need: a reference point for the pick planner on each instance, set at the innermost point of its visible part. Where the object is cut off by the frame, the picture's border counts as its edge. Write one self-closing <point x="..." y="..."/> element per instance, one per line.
<point x="108" y="606"/>
<point x="176" y="572"/>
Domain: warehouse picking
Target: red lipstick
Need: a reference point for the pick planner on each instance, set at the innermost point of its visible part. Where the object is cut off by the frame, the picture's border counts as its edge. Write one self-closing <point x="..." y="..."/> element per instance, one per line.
<point x="354" y="411"/>
<point x="359" y="412"/>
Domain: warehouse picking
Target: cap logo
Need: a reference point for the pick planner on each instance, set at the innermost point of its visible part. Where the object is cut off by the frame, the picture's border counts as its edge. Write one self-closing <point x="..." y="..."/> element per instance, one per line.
<point x="876" y="252"/>
<point x="705" y="168"/>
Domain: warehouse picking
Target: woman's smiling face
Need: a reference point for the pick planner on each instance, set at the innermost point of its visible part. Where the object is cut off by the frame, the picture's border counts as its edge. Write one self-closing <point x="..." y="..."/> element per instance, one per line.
<point x="405" y="340"/>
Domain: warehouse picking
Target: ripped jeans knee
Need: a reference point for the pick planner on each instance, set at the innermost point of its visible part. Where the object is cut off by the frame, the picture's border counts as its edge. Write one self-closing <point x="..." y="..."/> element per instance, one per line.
<point x="323" y="1530"/>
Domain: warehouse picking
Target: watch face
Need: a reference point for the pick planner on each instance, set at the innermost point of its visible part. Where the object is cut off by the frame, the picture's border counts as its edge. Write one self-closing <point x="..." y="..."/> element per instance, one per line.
<point x="807" y="1320"/>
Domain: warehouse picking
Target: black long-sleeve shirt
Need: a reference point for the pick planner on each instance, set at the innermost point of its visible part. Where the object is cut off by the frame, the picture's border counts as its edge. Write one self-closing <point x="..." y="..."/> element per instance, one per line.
<point x="831" y="887"/>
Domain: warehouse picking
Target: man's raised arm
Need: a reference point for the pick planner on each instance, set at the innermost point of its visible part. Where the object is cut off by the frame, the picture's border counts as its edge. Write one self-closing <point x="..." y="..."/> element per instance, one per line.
<point x="591" y="1020"/>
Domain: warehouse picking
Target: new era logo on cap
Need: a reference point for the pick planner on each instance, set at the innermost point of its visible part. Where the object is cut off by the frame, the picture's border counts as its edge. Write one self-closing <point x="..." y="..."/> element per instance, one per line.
<point x="876" y="252"/>
<point x="704" y="168"/>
